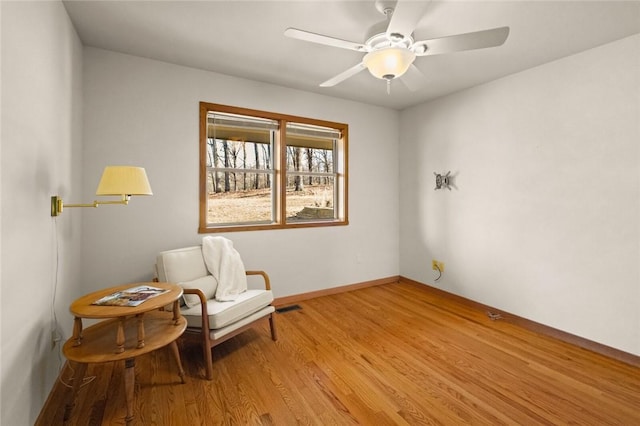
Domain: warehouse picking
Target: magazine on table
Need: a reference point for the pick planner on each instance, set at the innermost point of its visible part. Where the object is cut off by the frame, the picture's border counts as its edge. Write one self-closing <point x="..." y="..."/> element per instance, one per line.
<point x="130" y="297"/>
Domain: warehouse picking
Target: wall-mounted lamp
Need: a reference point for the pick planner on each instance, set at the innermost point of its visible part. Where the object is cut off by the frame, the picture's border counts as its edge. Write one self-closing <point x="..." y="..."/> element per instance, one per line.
<point x="123" y="181"/>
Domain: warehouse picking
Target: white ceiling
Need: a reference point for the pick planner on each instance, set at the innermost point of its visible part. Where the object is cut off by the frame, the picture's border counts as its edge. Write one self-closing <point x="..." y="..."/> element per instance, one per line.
<point x="245" y="39"/>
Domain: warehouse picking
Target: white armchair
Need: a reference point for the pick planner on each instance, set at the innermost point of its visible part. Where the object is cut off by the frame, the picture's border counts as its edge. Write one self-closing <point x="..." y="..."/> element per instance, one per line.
<point x="212" y="321"/>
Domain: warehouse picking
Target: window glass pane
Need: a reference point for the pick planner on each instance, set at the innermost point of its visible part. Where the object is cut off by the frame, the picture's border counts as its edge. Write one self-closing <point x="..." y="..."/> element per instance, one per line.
<point x="229" y="154"/>
<point x="308" y="135"/>
<point x="254" y="206"/>
<point x="239" y="169"/>
<point x="310" y="172"/>
<point x="315" y="202"/>
<point x="309" y="160"/>
<point x="240" y="141"/>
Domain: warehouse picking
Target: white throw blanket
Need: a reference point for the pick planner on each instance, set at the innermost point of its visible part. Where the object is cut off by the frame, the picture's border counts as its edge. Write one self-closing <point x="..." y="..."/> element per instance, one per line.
<point x="225" y="264"/>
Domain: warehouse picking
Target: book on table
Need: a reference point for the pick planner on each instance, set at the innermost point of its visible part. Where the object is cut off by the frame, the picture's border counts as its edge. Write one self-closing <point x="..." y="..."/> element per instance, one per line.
<point x="130" y="297"/>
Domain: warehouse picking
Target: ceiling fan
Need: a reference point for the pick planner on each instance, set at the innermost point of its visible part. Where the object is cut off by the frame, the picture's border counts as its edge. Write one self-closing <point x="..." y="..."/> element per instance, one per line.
<point x="390" y="48"/>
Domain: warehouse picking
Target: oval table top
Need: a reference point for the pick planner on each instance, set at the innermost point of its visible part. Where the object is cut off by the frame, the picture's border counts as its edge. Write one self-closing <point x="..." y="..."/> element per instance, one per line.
<point x="84" y="308"/>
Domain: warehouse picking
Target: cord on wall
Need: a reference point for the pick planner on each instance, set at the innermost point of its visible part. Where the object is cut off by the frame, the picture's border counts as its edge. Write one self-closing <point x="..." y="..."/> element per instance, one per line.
<point x="439" y="271"/>
<point x="56" y="334"/>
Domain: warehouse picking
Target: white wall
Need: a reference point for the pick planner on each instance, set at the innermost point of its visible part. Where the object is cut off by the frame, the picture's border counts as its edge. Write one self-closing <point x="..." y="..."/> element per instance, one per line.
<point x="145" y="112"/>
<point x="41" y="157"/>
<point x="544" y="220"/>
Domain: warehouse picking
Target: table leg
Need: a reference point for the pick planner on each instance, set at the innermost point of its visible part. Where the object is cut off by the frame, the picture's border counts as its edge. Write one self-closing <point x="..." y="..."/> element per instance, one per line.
<point x="77" y="331"/>
<point x="176" y="356"/>
<point x="78" y="376"/>
<point x="176" y="312"/>
<point x="120" y="336"/>
<point x="129" y="381"/>
<point x="140" y="331"/>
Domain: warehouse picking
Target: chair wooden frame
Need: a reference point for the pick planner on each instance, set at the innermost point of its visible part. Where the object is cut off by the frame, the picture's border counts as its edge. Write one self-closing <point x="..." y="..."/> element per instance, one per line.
<point x="204" y="333"/>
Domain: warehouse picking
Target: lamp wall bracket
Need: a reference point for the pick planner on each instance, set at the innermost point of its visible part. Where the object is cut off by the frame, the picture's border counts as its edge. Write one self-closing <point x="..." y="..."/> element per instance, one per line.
<point x="443" y="181"/>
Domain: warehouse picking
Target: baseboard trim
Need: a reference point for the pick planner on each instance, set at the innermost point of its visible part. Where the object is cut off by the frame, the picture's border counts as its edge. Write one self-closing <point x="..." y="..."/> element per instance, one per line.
<point x="536" y="327"/>
<point x="287" y="300"/>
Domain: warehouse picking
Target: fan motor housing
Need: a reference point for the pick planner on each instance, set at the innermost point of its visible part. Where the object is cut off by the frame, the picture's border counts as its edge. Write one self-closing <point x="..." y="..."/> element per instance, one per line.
<point x="381" y="40"/>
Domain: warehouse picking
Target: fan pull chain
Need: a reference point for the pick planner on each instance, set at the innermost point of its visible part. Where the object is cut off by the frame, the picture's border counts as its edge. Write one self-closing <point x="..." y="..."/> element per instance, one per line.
<point x="388" y="87"/>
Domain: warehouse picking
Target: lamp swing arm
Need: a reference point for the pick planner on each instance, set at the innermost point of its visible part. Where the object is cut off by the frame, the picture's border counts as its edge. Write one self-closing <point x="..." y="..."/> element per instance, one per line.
<point x="58" y="205"/>
<point x="124" y="200"/>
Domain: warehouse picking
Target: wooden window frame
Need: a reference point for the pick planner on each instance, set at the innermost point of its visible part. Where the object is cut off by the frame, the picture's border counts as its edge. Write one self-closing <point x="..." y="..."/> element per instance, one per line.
<point x="279" y="167"/>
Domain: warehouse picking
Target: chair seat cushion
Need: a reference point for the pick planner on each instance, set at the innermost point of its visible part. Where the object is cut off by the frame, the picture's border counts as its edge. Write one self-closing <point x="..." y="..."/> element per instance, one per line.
<point x="225" y="313"/>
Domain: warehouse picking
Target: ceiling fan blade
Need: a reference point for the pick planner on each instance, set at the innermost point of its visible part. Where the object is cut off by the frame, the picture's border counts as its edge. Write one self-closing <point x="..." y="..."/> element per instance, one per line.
<point x="344" y="75"/>
<point x="405" y="17"/>
<point x="413" y="79"/>
<point x="460" y="42"/>
<point x="323" y="39"/>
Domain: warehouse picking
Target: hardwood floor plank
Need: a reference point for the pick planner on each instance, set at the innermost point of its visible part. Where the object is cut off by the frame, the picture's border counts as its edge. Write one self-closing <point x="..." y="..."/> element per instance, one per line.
<point x="412" y="368"/>
<point x="479" y="368"/>
<point x="393" y="354"/>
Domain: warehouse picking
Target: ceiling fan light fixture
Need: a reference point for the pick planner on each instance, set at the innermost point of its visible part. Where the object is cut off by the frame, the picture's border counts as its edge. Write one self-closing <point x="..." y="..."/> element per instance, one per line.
<point x="389" y="63"/>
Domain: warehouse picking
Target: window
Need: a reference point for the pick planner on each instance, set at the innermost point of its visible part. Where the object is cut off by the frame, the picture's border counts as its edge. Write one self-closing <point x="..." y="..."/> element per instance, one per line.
<point x="262" y="170"/>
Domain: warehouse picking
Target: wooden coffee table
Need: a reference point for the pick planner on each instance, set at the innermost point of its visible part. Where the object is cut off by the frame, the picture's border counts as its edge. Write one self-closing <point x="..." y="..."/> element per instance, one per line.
<point x="125" y="333"/>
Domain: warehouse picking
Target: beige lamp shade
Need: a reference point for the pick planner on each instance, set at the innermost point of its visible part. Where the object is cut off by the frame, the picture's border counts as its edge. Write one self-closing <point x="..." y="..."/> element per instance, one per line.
<point x="389" y="63"/>
<point x="124" y="180"/>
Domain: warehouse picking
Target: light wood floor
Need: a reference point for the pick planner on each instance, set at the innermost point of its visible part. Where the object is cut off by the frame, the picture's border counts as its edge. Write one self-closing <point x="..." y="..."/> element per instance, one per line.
<point x="384" y="355"/>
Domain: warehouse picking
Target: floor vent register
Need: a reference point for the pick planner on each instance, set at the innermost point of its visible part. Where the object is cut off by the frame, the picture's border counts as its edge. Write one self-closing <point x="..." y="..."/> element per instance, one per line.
<point x="288" y="309"/>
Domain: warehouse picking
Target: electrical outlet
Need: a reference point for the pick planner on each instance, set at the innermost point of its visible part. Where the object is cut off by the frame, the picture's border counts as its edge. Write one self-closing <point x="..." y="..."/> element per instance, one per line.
<point x="437" y="265"/>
